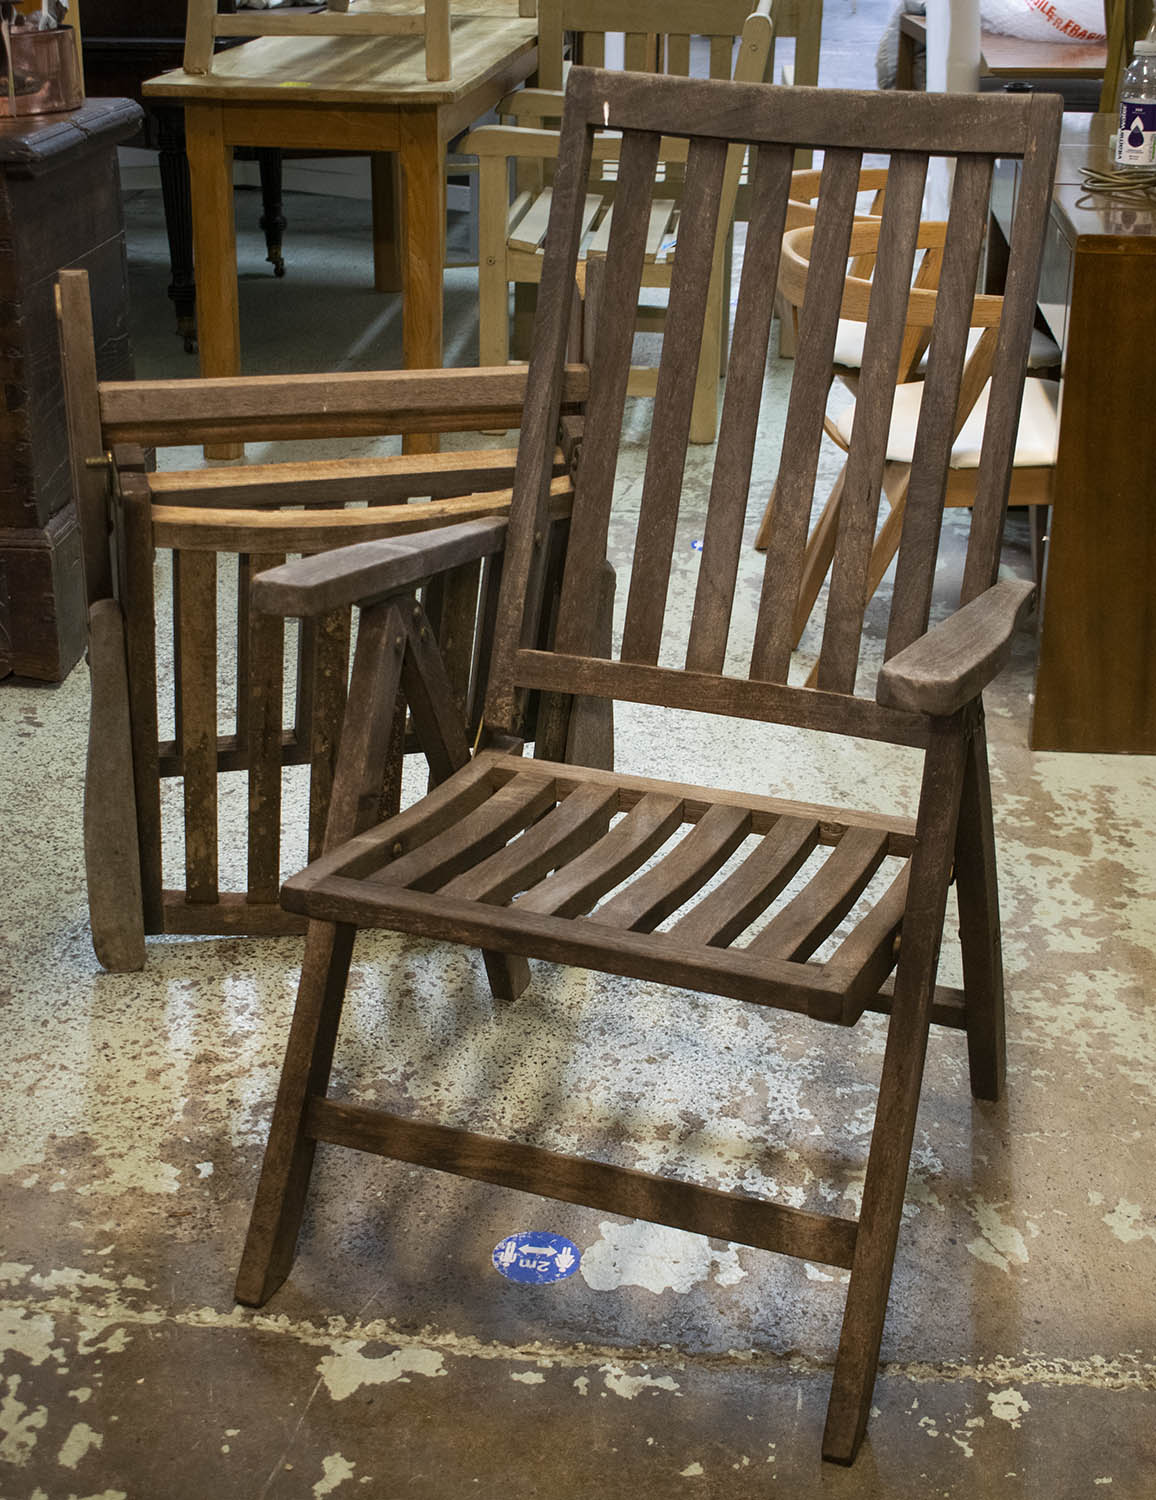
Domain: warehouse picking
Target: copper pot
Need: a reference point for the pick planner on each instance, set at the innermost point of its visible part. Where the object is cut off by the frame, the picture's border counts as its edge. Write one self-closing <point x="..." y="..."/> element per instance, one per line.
<point x="45" y="73"/>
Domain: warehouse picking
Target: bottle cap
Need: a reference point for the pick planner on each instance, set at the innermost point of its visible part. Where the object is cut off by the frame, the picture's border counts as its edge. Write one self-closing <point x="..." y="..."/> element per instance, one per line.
<point x="1145" y="49"/>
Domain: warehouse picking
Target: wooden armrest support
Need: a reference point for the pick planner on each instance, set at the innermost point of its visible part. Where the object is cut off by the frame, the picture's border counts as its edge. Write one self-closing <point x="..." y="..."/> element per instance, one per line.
<point x="955" y="660"/>
<point x="369" y="571"/>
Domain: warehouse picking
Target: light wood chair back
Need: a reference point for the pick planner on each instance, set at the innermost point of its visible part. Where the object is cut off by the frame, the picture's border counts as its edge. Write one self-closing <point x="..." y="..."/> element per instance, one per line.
<point x="428" y="20"/>
<point x="1032" y="470"/>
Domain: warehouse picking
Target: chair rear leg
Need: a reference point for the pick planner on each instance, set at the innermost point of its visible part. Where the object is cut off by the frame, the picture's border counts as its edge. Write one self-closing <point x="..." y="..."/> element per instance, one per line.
<point x="979" y="927"/>
<point x="886" y="1181"/>
<point x="280" y="1200"/>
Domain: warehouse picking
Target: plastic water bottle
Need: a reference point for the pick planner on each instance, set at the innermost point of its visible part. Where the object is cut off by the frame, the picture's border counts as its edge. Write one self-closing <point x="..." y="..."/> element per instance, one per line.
<point x="1136" y="138"/>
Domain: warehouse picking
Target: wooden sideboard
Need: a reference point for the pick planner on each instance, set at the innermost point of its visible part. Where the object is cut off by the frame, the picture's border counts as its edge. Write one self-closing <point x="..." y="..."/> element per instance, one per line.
<point x="1096" y="685"/>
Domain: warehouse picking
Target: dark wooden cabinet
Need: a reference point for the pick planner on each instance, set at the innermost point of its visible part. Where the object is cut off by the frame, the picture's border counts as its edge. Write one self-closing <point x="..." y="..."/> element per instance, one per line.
<point x="59" y="206"/>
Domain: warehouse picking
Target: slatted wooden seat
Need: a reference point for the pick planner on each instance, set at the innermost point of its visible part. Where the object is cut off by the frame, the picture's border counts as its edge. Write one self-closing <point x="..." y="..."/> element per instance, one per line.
<point x="820" y="911"/>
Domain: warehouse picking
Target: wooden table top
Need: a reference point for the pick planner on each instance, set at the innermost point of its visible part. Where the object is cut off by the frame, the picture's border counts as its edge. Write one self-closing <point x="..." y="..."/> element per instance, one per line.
<point x="1013" y="57"/>
<point x="353" y="70"/>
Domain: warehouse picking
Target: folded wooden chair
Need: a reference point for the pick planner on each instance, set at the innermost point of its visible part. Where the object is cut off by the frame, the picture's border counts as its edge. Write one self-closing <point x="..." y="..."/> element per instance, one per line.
<point x="529" y="859"/>
<point x="186" y="697"/>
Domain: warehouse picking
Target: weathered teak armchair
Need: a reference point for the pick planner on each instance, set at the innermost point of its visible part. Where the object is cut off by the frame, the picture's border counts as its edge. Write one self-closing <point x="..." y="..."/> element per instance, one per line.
<point x="527" y="859"/>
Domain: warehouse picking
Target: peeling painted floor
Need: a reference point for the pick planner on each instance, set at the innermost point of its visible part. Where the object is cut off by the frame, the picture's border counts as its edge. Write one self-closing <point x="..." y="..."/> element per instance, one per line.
<point x="1020" y="1351"/>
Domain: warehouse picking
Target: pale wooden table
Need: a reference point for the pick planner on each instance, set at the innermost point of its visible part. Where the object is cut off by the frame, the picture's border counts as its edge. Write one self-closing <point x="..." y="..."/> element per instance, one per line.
<point x="333" y="93"/>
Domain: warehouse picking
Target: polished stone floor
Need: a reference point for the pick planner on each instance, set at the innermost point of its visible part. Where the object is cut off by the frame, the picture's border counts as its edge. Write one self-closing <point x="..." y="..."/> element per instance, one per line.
<point x="1019" y="1356"/>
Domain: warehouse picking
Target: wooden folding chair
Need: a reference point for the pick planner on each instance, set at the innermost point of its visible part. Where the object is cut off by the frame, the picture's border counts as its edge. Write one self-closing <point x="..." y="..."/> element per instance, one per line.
<point x="533" y="859"/>
<point x="209" y="532"/>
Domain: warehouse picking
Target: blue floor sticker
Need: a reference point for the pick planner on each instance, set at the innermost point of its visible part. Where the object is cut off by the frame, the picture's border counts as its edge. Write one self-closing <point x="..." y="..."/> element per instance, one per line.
<point x="536" y="1258"/>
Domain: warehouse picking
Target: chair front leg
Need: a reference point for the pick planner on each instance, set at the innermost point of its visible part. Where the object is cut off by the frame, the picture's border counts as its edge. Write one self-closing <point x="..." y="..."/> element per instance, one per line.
<point x="886" y="1180"/>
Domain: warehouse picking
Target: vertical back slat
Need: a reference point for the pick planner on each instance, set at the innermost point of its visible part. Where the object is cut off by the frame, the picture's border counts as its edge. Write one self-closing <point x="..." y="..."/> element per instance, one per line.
<point x="551" y="38"/>
<point x="721" y="56"/>
<point x="859" y="508"/>
<point x="331" y="676"/>
<point x="673" y="402"/>
<point x="1033" y="203"/>
<point x="610" y="370"/>
<point x="678" y="55"/>
<point x="774" y="637"/>
<point x="915" y="570"/>
<point x="523" y="575"/>
<point x="639" y="52"/>
<point x="261" y="686"/>
<point x="196" y="693"/>
<point x="738" y="427"/>
<point x="241" y="685"/>
<point x="139" y="604"/>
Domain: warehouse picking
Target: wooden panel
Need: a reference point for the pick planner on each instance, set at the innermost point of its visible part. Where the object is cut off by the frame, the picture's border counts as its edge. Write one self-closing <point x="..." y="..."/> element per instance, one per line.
<point x="330" y="673"/>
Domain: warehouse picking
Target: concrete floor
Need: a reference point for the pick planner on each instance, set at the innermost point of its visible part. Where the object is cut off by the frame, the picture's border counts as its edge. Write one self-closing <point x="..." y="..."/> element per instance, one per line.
<point x="1019" y="1357"/>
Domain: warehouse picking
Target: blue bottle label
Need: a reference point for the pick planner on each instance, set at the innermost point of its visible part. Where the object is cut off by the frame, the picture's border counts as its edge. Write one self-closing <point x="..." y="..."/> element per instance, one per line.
<point x="1136" y="141"/>
<point x="536" y="1258"/>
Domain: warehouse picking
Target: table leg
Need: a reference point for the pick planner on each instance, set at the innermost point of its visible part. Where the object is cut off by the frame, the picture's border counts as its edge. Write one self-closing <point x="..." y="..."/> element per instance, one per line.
<point x="385" y="177"/>
<point x="214" y="250"/>
<point x="423" y="250"/>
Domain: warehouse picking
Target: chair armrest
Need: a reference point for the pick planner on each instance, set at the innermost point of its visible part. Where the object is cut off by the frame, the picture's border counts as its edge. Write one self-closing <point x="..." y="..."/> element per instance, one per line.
<point x="537" y="103"/>
<point x="524" y="141"/>
<point x="955" y="660"/>
<point x="369" y="571"/>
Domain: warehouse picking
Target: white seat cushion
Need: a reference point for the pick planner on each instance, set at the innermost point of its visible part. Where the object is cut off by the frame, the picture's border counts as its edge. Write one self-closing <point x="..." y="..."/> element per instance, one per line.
<point x="1043" y="354"/>
<point x="1036" y="440"/>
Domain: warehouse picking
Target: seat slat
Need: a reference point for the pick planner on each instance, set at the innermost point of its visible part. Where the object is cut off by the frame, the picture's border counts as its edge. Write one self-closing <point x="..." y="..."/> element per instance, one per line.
<point x="817" y="910"/>
<point x="650" y="899"/>
<point x="868" y="954"/>
<point x="661" y="215"/>
<point x="485" y="829"/>
<point x="439" y="809"/>
<point x="574" y="824"/>
<point x="629" y="844"/>
<point x="719" y="918"/>
<point x="531" y="227"/>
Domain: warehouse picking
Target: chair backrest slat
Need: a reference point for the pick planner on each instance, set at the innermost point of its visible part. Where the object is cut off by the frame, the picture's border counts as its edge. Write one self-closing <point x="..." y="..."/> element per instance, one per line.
<point x="609" y="371"/>
<point x="859" y="509"/>
<point x="818" y="325"/>
<point x="260" y="719"/>
<point x="674" y="399"/>
<point x="718" y="121"/>
<point x="738" y="425"/>
<point x="195" y="625"/>
<point x="1033" y="206"/>
<point x="966" y="223"/>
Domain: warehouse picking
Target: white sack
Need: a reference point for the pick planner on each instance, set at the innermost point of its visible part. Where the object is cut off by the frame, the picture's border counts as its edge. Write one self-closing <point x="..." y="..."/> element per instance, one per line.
<point x="1045" y="20"/>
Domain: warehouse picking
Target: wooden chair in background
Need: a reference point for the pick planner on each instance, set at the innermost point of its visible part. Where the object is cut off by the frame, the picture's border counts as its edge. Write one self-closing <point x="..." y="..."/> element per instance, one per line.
<point x="542" y="860"/>
<point x="362" y="18"/>
<point x="1034" y="455"/>
<point x="510" y="236"/>
<point x="159" y="710"/>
